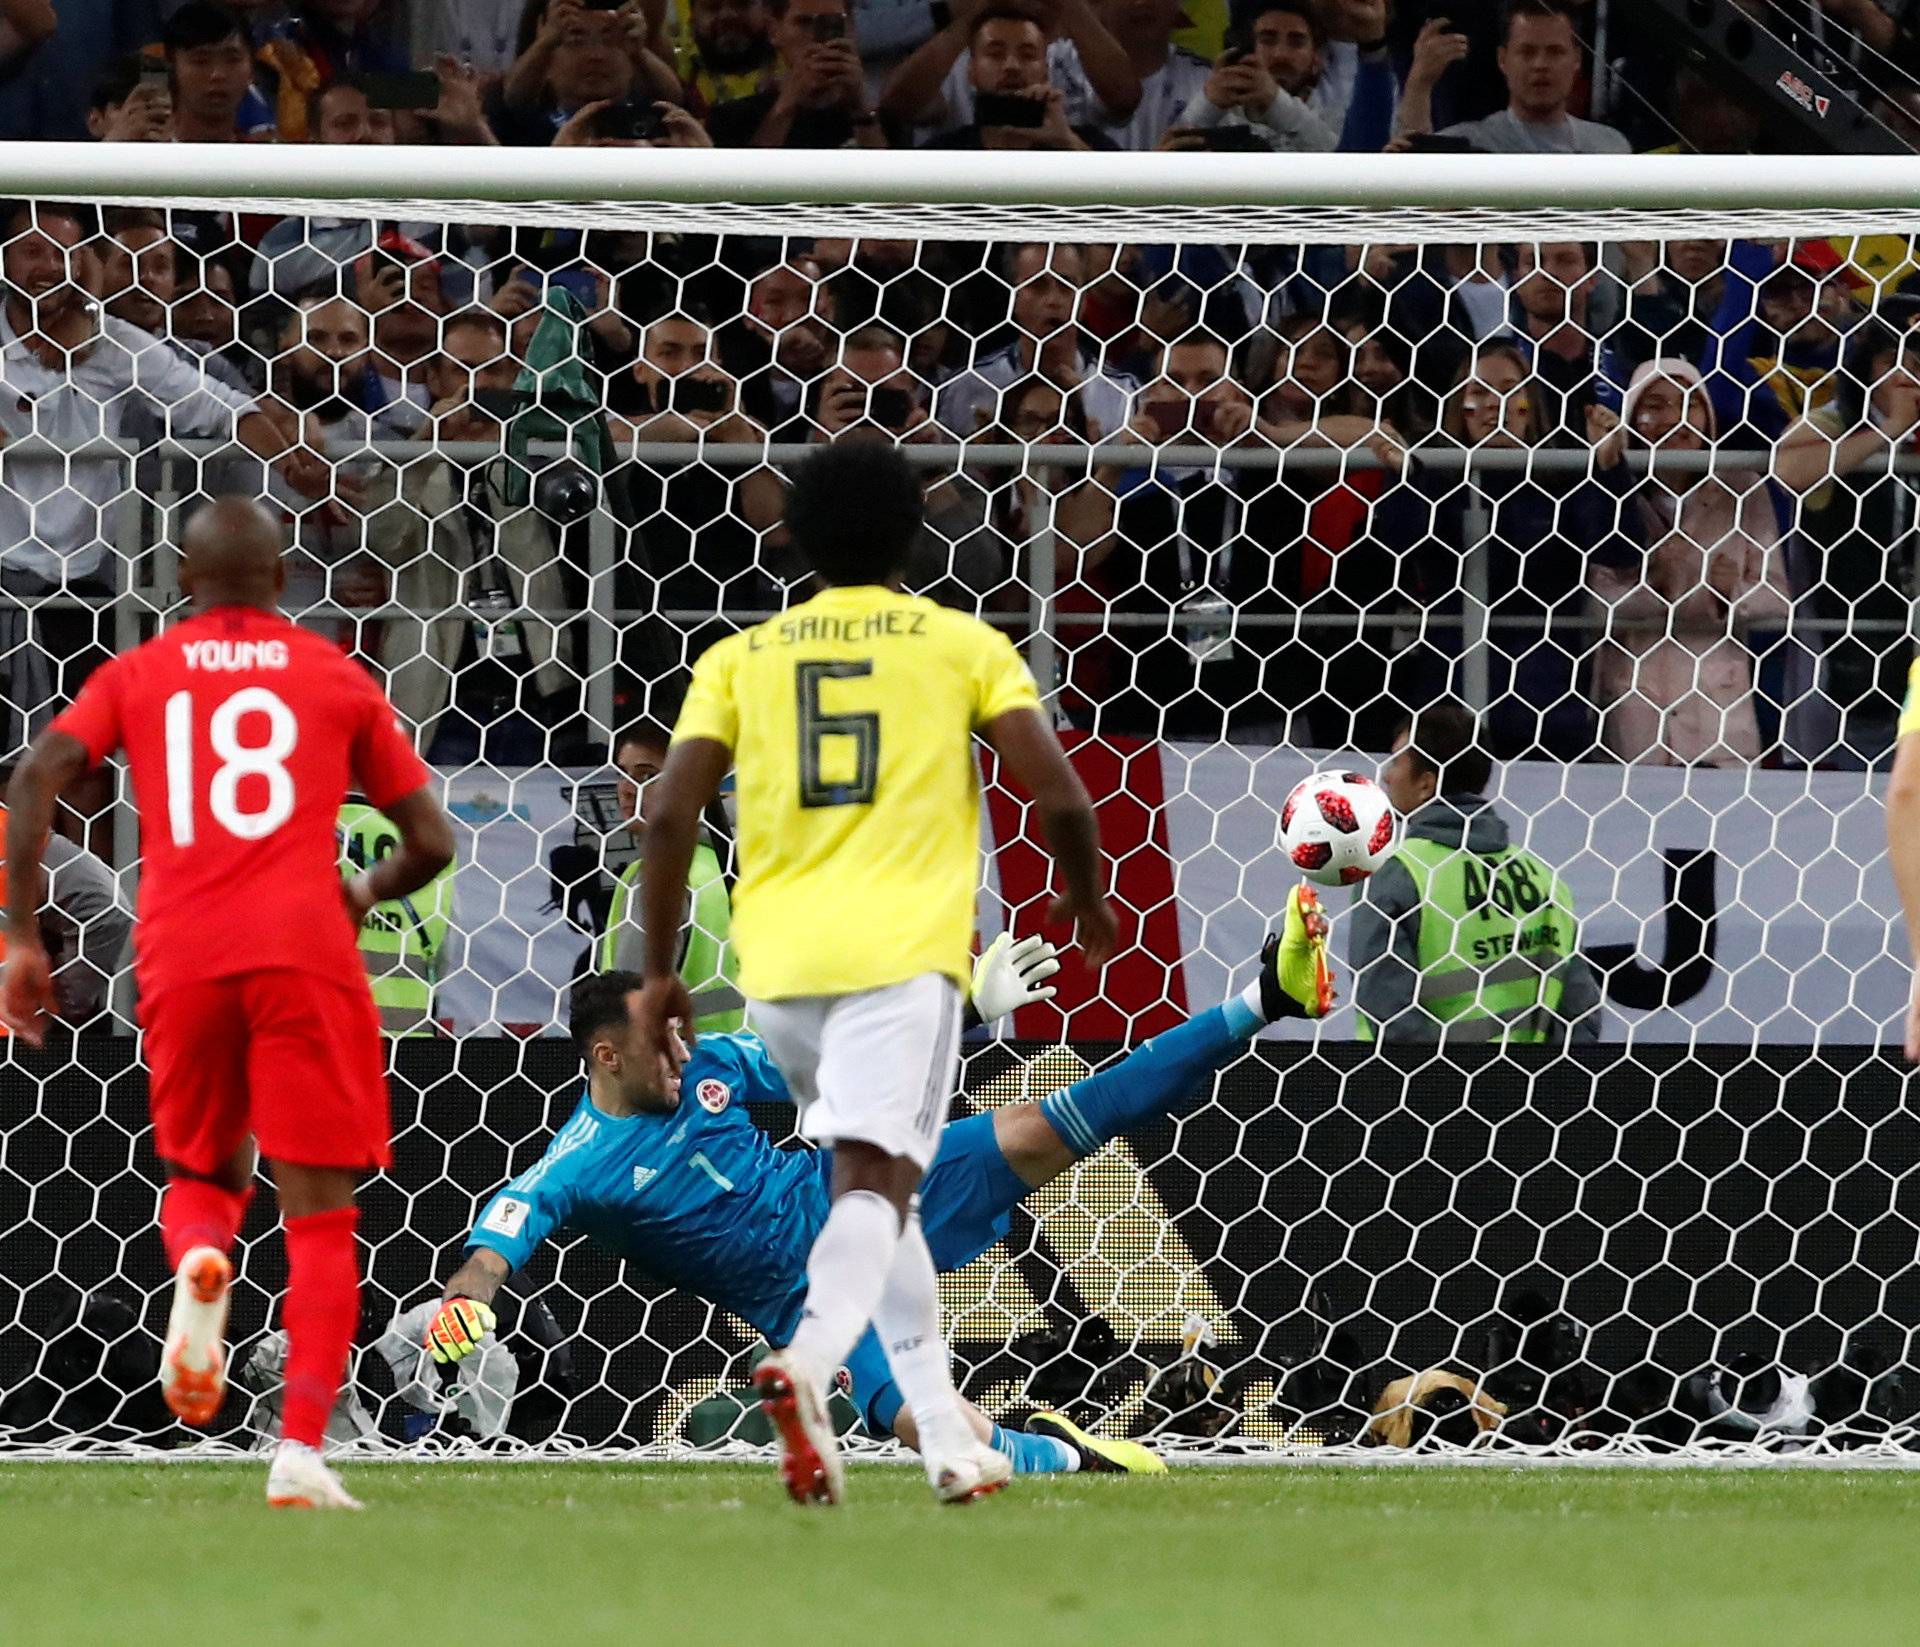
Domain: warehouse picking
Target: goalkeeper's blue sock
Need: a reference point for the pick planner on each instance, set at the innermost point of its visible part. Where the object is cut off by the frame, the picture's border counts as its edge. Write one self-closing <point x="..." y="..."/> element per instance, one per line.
<point x="1034" y="1454"/>
<point x="1150" y="1082"/>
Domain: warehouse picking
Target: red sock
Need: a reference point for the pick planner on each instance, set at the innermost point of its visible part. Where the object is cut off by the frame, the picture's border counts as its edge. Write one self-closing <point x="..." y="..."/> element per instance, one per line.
<point x="196" y="1213"/>
<point x="321" y="1315"/>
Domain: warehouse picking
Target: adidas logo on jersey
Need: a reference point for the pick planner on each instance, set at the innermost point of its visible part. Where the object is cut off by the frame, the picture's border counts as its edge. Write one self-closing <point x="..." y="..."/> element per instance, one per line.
<point x="643" y="1176"/>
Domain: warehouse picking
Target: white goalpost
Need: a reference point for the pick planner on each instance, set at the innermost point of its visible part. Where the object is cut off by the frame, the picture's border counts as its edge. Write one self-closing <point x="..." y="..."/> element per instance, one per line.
<point x="1255" y="458"/>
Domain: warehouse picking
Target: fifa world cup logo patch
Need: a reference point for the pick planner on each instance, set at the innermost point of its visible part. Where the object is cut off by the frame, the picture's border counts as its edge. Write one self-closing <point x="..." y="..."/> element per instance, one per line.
<point x="713" y="1095"/>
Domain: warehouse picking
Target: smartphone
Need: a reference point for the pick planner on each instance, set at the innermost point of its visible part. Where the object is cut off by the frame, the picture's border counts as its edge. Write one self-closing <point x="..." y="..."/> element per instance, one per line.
<point x="829" y="29"/>
<point x="890" y="408"/>
<point x="630" y="122"/>
<point x="1237" y="43"/>
<point x="1234" y="140"/>
<point x="498" y="404"/>
<point x="1009" y="109"/>
<point x="1434" y="143"/>
<point x="697" y="394"/>
<point x="400" y="91"/>
<point x="155" y="76"/>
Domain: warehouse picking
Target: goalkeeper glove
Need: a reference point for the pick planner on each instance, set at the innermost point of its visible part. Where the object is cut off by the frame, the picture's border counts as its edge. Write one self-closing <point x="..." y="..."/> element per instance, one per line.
<point x="1010" y="975"/>
<point x="456" y="1331"/>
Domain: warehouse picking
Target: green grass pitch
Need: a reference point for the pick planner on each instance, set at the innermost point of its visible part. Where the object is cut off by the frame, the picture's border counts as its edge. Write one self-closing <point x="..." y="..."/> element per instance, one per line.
<point x="684" y="1555"/>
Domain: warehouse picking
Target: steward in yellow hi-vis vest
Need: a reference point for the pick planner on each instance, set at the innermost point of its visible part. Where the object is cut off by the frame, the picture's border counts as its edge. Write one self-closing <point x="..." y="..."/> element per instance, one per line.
<point x="401" y="941"/>
<point x="1461" y="936"/>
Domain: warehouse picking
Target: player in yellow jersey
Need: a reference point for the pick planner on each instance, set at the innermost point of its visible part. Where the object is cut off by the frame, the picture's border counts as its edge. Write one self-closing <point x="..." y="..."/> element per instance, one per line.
<point x="1903" y="840"/>
<point x="849" y="723"/>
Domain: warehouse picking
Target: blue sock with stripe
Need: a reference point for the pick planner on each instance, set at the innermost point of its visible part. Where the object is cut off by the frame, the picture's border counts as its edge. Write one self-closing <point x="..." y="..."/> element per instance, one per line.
<point x="1151" y="1082"/>
<point x="1034" y="1454"/>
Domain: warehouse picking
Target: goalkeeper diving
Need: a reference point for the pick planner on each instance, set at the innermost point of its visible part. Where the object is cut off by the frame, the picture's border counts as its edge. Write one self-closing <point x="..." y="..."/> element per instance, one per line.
<point x="665" y="1167"/>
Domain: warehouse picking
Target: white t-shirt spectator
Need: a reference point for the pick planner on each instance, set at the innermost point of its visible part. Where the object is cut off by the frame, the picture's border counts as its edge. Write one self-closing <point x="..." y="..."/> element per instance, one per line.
<point x="1507" y="133"/>
<point x="959" y="402"/>
<point x="56" y="514"/>
<point x="1163" y="94"/>
<point x="481" y="33"/>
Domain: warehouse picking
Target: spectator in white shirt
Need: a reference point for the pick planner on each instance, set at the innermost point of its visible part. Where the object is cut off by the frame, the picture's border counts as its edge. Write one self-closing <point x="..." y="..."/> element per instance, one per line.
<point x="1048" y="283"/>
<point x="1170" y="79"/>
<point x="1540" y="58"/>
<point x="934" y="87"/>
<point x="1263" y="86"/>
<point x="70" y="373"/>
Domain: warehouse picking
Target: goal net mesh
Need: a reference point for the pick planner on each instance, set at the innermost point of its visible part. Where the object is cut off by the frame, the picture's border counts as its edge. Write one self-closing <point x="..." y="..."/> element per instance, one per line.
<point x="1248" y="488"/>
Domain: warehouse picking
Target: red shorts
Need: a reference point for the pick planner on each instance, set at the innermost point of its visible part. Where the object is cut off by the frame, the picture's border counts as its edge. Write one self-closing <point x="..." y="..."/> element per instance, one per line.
<point x="289" y="1056"/>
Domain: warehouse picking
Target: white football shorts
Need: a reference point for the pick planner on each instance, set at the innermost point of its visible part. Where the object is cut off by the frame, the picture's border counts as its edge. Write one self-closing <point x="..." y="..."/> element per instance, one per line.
<point x="875" y="1068"/>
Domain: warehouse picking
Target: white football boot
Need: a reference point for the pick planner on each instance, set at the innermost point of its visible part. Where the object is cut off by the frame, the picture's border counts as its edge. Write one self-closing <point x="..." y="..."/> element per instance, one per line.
<point x="301" y="1480"/>
<point x="193" y="1365"/>
<point x="979" y="1472"/>
<point x="810" y="1463"/>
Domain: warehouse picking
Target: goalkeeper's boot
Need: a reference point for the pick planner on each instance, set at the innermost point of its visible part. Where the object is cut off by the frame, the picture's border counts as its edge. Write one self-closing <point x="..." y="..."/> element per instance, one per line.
<point x="1296" y="978"/>
<point x="193" y="1365"/>
<point x="961" y="1478"/>
<point x="301" y="1480"/>
<point x="1099" y="1454"/>
<point x="809" y="1456"/>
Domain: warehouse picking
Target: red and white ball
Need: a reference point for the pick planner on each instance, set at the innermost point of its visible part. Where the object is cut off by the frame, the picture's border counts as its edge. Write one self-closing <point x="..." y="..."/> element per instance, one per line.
<point x="1337" y="827"/>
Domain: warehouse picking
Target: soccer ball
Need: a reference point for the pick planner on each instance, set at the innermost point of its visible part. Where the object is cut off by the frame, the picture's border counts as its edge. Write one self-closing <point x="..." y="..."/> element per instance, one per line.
<point x="1337" y="827"/>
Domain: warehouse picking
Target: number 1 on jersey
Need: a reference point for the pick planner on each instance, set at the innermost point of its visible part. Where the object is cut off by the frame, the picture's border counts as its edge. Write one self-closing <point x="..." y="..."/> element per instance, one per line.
<point x="237" y="761"/>
<point x="816" y="725"/>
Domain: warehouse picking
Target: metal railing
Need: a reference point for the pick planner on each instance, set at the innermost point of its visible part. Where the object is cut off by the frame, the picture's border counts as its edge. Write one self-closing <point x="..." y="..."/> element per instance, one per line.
<point x="144" y="526"/>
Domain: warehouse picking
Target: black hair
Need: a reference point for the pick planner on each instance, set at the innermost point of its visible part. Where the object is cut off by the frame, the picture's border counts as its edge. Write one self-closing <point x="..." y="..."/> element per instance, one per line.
<point x="854" y="512"/>
<point x="116" y="82"/>
<point x="1535" y="8"/>
<point x="1002" y="11"/>
<point x="201" y="23"/>
<point x="599" y="1002"/>
<point x="647" y="732"/>
<point x="37" y="211"/>
<point x="1444" y="739"/>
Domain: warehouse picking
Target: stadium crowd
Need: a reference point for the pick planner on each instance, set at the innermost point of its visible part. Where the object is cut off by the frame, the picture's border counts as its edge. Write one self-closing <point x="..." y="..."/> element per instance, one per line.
<point x="1599" y="608"/>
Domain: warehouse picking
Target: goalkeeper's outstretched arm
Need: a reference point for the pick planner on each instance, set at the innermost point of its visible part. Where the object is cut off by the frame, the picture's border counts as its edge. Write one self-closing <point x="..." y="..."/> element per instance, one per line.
<point x="465" y="1316"/>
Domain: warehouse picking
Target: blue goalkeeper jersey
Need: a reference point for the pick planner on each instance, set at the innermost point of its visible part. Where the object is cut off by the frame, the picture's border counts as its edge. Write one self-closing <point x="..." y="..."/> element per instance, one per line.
<point x="697" y="1196"/>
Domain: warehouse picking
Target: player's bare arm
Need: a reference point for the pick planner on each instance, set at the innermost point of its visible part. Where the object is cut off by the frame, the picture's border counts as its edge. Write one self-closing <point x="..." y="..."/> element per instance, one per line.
<point x="54" y="761"/>
<point x="426" y="848"/>
<point x="1032" y="754"/>
<point x="689" y="780"/>
<point x="1903" y="853"/>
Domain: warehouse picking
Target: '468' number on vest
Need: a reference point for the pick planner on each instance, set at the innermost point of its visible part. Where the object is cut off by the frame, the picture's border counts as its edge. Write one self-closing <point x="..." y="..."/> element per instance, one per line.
<point x="1512" y="888"/>
<point x="237" y="760"/>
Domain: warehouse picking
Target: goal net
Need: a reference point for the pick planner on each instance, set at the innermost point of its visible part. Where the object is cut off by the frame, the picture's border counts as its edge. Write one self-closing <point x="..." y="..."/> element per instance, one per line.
<point x="1253" y="468"/>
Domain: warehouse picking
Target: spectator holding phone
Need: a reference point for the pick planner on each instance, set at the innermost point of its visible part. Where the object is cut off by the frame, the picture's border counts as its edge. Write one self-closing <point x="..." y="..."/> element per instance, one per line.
<point x="819" y="100"/>
<point x="1043" y="339"/>
<point x="778" y="349"/>
<point x="1015" y="106"/>
<point x="934" y="87"/>
<point x="580" y="54"/>
<point x="705" y="524"/>
<point x="1260" y="83"/>
<point x="132" y="102"/>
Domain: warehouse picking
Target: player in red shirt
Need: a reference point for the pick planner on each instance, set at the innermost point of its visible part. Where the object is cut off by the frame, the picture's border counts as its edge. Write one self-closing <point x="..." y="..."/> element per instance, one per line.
<point x="243" y="734"/>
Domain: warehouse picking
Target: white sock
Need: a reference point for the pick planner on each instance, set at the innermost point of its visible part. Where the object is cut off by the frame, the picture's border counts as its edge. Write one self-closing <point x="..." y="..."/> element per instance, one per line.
<point x="846" y="1272"/>
<point x="908" y="1322"/>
